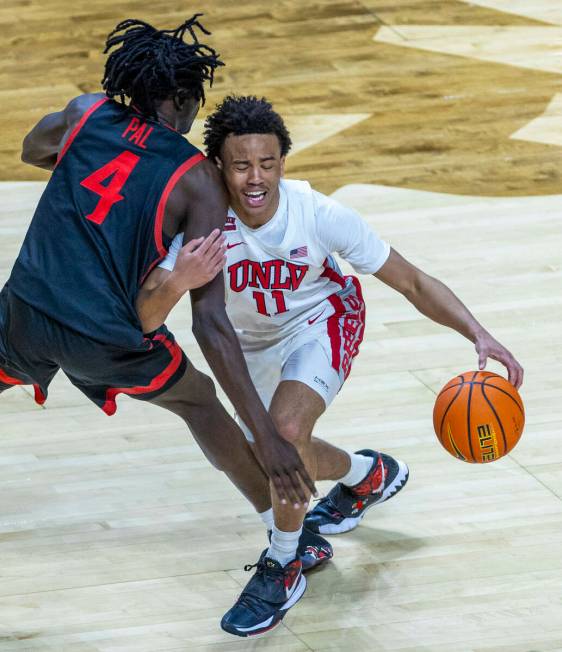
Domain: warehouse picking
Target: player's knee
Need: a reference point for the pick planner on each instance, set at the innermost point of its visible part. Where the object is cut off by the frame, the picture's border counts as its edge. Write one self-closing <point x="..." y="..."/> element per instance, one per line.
<point x="205" y="392"/>
<point x="292" y="430"/>
<point x="190" y="396"/>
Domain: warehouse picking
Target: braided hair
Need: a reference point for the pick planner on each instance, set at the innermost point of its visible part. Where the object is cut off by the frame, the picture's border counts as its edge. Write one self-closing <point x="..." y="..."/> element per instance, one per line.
<point x="239" y="115"/>
<point x="152" y="65"/>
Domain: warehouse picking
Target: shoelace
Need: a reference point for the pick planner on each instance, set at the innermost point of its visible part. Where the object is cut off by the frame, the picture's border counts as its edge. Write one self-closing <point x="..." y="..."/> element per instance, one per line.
<point x="326" y="500"/>
<point x="251" y="602"/>
<point x="262" y="567"/>
<point x="248" y="567"/>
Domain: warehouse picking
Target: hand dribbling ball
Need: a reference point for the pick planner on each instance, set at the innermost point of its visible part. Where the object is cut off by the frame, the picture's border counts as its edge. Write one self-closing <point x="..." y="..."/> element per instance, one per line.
<point x="478" y="416"/>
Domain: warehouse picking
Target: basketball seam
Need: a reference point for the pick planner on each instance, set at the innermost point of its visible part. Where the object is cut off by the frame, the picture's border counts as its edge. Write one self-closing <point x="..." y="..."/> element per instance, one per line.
<point x="446" y="411"/>
<point x="510" y="396"/>
<point x="446" y="389"/>
<point x="469" y="382"/>
<point x="492" y="375"/>
<point x="497" y="417"/>
<point x="468" y="417"/>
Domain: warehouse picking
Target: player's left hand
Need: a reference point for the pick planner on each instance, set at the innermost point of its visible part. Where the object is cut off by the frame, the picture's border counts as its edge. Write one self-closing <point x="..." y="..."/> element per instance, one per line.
<point x="199" y="261"/>
<point x="488" y="347"/>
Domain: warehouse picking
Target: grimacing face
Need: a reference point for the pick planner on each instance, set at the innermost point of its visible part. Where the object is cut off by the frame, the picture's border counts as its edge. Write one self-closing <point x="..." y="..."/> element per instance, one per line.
<point x="252" y="167"/>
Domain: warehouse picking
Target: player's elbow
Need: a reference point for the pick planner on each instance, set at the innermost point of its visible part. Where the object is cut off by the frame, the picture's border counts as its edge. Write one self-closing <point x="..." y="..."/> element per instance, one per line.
<point x="422" y="289"/>
<point x="413" y="286"/>
<point x="150" y="320"/>
<point x="27" y="152"/>
<point x="210" y="327"/>
<point x="30" y="155"/>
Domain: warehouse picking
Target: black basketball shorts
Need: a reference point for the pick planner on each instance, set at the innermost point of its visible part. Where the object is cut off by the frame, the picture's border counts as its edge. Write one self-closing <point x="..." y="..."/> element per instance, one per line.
<point x="33" y="347"/>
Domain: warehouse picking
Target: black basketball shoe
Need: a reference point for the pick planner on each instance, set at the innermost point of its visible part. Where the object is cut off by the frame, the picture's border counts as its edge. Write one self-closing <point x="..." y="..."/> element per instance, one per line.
<point x="344" y="507"/>
<point x="313" y="550"/>
<point x="271" y="592"/>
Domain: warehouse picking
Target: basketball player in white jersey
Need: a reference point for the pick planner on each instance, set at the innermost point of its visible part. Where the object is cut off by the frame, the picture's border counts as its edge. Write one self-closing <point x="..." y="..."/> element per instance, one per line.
<point x="300" y="324"/>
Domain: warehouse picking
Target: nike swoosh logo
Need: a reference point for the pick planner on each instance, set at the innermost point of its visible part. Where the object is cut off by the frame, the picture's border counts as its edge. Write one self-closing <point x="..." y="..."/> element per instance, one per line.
<point x="311" y="321"/>
<point x="454" y="445"/>
<point x="289" y="592"/>
<point x="231" y="246"/>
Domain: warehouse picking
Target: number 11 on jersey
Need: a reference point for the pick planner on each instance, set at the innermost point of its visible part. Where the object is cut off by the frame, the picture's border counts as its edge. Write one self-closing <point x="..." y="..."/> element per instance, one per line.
<point x="277" y="297"/>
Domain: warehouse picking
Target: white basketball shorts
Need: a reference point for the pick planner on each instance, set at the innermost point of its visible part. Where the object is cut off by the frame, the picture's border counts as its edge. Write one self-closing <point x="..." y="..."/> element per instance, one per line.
<point x="319" y="356"/>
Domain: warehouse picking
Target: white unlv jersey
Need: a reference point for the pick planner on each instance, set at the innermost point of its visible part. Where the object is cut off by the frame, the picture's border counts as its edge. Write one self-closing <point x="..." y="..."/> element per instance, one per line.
<point x="281" y="277"/>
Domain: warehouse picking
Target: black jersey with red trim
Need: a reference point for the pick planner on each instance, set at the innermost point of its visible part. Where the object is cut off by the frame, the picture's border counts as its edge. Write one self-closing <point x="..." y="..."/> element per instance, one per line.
<point x="97" y="230"/>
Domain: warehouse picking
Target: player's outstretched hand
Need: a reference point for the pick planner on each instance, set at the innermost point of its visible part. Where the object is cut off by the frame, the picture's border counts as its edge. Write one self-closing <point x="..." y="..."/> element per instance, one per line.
<point x="488" y="347"/>
<point x="285" y="469"/>
<point x="200" y="260"/>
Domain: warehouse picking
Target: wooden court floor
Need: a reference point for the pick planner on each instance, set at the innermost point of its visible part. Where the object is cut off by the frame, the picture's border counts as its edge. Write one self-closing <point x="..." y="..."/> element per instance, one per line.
<point x="441" y="122"/>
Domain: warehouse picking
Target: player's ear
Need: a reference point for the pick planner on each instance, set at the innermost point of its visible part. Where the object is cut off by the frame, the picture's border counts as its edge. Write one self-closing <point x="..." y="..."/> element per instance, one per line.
<point x="218" y="163"/>
<point x="178" y="100"/>
<point x="182" y="99"/>
<point x="282" y="165"/>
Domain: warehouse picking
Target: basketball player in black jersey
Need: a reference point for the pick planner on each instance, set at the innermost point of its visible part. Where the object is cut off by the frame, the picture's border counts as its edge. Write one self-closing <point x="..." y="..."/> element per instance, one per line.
<point x="124" y="183"/>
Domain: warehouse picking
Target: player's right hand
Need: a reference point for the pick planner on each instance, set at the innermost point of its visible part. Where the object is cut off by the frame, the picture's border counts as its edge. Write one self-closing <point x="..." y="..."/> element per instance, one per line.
<point x="199" y="261"/>
<point x="283" y="465"/>
<point x="488" y="347"/>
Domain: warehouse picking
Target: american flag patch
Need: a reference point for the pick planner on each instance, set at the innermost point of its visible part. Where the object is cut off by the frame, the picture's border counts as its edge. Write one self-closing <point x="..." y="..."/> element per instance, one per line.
<point x="299" y="252"/>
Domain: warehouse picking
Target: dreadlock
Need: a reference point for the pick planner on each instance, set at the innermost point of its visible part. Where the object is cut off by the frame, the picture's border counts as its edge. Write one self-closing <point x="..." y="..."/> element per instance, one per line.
<point x="239" y="115"/>
<point x="152" y="65"/>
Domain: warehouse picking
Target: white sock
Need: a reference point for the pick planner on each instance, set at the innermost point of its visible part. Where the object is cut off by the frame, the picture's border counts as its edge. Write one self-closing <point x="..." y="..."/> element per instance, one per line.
<point x="267" y="518"/>
<point x="283" y="546"/>
<point x="360" y="466"/>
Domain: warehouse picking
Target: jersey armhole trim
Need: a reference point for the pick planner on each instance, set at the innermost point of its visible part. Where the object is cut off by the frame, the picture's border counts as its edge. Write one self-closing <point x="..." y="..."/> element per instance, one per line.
<point x="79" y="126"/>
<point x="172" y="181"/>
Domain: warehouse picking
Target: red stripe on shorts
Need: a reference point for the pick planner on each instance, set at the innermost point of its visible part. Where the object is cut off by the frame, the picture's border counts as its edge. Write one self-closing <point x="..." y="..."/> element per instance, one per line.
<point x="361" y="319"/>
<point x="8" y="380"/>
<point x="342" y="336"/>
<point x="334" y="334"/>
<point x="157" y="383"/>
<point x="40" y="398"/>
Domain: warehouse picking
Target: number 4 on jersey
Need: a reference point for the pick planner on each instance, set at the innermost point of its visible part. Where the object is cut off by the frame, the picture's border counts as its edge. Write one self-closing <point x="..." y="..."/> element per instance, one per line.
<point x="119" y="169"/>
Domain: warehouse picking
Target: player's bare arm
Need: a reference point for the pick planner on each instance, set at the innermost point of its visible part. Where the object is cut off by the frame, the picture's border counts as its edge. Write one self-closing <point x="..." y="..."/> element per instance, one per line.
<point x="43" y="143"/>
<point x="206" y="209"/>
<point x="198" y="262"/>
<point x="436" y="301"/>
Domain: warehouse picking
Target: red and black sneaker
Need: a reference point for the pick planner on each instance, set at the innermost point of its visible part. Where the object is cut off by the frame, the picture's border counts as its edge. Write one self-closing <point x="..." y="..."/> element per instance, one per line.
<point x="344" y="507"/>
<point x="271" y="592"/>
<point x="313" y="550"/>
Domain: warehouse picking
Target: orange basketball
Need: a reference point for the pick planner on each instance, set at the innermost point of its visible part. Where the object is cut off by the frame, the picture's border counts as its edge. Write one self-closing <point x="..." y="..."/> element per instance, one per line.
<point x="478" y="416"/>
